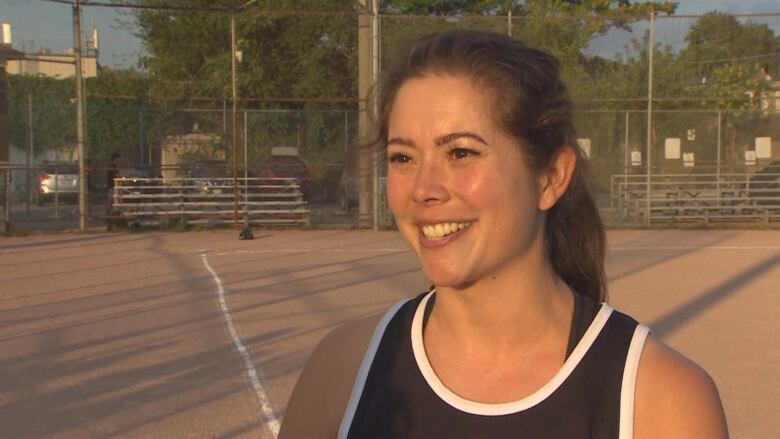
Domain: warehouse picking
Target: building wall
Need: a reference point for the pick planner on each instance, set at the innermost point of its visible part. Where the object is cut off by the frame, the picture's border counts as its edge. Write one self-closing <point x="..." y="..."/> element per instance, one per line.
<point x="40" y="66"/>
<point x="181" y="150"/>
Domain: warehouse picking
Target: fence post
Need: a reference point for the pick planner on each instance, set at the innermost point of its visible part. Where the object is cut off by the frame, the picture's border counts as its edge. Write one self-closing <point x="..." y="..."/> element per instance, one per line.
<point x="28" y="174"/>
<point x="7" y="201"/>
<point x="346" y="135"/>
<point x="246" y="171"/>
<point x="141" y="136"/>
<point x="625" y="157"/>
<point x="717" y="167"/>
<point x="57" y="193"/>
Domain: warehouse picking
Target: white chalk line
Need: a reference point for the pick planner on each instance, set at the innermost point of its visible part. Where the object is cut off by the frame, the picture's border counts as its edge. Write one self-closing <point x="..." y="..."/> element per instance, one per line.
<point x="272" y="423"/>
<point x="312" y="250"/>
<point x="406" y="250"/>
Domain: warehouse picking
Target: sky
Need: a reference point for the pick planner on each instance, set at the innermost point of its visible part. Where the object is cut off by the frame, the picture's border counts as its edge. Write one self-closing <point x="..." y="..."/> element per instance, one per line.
<point x="38" y="24"/>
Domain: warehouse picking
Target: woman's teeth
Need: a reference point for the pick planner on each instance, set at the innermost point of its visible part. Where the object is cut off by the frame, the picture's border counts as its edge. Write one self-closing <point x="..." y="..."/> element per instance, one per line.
<point x="436" y="231"/>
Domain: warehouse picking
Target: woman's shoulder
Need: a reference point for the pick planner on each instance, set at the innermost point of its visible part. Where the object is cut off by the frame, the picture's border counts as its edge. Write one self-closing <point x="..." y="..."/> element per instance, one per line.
<point x="675" y="398"/>
<point x="322" y="392"/>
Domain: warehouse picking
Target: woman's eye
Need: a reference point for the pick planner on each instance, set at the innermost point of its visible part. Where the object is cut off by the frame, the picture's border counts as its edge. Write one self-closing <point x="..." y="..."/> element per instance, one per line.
<point x="461" y="153"/>
<point x="399" y="158"/>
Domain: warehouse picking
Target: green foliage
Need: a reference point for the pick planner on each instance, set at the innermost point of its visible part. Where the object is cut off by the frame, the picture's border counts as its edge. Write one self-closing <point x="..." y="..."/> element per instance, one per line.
<point x="53" y="114"/>
<point x="718" y="39"/>
<point x="187" y="65"/>
<point x="112" y="124"/>
<point x="733" y="82"/>
<point x="282" y="55"/>
<point x="726" y="56"/>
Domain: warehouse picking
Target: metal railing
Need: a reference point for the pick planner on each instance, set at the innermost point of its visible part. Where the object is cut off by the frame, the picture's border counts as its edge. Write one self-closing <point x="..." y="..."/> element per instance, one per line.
<point x="157" y="201"/>
<point x="696" y="197"/>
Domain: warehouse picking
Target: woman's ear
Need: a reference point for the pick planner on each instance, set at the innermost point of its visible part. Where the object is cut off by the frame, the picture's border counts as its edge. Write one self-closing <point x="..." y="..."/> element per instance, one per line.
<point x="555" y="179"/>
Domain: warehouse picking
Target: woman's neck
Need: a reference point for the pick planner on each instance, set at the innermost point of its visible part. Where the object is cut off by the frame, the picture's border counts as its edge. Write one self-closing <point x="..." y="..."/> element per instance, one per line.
<point x="522" y="305"/>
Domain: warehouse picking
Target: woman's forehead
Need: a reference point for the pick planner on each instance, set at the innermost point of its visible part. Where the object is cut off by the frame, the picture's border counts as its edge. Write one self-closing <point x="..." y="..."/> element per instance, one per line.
<point x="435" y="103"/>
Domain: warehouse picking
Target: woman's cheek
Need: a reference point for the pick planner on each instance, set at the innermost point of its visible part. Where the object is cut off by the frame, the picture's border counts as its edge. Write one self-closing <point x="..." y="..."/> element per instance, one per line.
<point x="398" y="192"/>
<point x="478" y="189"/>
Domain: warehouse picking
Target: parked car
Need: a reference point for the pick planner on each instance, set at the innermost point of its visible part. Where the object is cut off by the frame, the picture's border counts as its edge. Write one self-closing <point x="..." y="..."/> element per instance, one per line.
<point x="57" y="179"/>
<point x="137" y="179"/>
<point x="348" y="190"/>
<point x="208" y="176"/>
<point x="285" y="163"/>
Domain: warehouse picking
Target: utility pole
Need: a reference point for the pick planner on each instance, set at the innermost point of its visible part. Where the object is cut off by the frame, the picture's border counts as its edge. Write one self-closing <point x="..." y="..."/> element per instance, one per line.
<point x="365" y="130"/>
<point x="234" y="114"/>
<point x="651" y="50"/>
<point x="375" y="110"/>
<point x="79" y="115"/>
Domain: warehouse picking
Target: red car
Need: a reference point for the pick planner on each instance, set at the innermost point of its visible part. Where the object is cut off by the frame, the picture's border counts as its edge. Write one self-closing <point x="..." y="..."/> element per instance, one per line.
<point x="285" y="163"/>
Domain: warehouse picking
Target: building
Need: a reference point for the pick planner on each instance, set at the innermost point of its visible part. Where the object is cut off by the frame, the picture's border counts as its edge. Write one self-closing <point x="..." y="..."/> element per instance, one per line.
<point x="769" y="99"/>
<point x="181" y="150"/>
<point x="53" y="65"/>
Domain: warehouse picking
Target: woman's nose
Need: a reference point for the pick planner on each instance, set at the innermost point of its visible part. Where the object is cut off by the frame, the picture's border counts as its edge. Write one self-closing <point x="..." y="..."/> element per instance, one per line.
<point x="430" y="184"/>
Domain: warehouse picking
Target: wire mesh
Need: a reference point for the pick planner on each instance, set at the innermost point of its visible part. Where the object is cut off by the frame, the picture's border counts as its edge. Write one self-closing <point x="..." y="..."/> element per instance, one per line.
<point x="715" y="94"/>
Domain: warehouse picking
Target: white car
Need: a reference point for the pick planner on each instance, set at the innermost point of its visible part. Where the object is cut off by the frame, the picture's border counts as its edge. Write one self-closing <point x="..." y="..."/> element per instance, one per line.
<point x="60" y="179"/>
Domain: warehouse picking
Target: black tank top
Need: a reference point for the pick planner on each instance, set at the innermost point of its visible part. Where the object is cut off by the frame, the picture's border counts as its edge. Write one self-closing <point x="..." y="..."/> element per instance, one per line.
<point x="397" y="394"/>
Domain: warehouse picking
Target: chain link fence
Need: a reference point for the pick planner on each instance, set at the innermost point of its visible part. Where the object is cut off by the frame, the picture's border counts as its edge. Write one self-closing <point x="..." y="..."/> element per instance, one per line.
<point x="713" y="106"/>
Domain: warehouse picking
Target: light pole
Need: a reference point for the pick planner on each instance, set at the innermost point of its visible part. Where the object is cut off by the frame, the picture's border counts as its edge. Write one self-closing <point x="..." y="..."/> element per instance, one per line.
<point x="79" y="114"/>
<point x="649" y="148"/>
<point x="234" y="113"/>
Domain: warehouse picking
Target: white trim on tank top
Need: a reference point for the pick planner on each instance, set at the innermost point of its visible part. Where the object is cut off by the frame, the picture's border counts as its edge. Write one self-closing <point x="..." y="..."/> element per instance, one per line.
<point x="488" y="409"/>
<point x="628" y="385"/>
<point x="365" y="366"/>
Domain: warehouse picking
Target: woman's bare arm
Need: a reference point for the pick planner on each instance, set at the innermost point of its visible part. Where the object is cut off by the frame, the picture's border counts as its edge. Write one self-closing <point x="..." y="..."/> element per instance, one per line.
<point x="321" y="395"/>
<point x="675" y="398"/>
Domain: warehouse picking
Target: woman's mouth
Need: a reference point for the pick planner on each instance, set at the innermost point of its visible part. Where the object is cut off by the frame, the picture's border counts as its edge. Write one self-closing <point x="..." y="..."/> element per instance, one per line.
<point x="437" y="235"/>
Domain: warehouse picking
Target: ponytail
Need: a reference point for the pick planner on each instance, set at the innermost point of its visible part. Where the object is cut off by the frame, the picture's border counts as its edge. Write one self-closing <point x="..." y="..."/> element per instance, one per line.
<point x="576" y="242"/>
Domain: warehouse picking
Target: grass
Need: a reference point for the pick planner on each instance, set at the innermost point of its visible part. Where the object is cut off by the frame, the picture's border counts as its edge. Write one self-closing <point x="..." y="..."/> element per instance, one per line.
<point x="21" y="233"/>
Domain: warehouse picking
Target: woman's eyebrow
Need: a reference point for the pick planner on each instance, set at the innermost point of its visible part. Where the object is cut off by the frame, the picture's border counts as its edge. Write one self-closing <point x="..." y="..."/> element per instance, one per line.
<point x="441" y="140"/>
<point x="447" y="138"/>
<point x="401" y="141"/>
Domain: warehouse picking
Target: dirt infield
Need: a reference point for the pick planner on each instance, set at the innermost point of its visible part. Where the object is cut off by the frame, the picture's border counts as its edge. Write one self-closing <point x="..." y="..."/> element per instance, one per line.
<point x="124" y="335"/>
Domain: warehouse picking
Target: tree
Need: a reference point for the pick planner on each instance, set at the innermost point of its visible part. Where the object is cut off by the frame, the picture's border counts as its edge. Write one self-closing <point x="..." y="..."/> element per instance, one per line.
<point x="53" y="114"/>
<point x="728" y="56"/>
<point x="284" y="55"/>
<point x="310" y="56"/>
<point x="112" y="124"/>
<point x="718" y="39"/>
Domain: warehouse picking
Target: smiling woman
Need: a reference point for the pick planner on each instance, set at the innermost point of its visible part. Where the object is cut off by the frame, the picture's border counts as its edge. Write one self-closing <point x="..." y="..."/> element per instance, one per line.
<point x="489" y="189"/>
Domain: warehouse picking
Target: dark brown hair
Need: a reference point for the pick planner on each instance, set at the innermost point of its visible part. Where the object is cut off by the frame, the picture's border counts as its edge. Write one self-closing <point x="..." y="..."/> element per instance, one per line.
<point x="533" y="107"/>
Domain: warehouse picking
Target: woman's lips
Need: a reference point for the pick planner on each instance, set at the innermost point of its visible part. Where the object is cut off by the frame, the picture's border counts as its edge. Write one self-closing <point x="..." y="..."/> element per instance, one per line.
<point x="433" y="243"/>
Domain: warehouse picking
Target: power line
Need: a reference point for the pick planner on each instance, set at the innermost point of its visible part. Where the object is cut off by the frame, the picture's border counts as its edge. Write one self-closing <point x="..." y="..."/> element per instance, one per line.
<point x="736" y="58"/>
<point x="288" y="99"/>
<point x="139" y="6"/>
<point x="251" y="9"/>
<point x="745" y="15"/>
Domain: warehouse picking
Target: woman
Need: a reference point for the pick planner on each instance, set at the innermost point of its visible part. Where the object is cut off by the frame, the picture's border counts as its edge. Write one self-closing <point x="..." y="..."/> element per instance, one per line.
<point x="488" y="188"/>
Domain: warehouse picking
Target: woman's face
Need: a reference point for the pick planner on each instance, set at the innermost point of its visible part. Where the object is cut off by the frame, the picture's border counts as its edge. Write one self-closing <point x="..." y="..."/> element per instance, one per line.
<point x="461" y="191"/>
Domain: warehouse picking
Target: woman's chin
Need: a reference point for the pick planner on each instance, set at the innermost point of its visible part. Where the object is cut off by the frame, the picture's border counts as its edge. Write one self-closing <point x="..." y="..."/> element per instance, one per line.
<point x="447" y="278"/>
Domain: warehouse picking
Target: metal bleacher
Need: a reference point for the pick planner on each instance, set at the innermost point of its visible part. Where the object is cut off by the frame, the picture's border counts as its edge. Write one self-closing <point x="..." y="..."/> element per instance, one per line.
<point x="156" y="201"/>
<point x="735" y="197"/>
